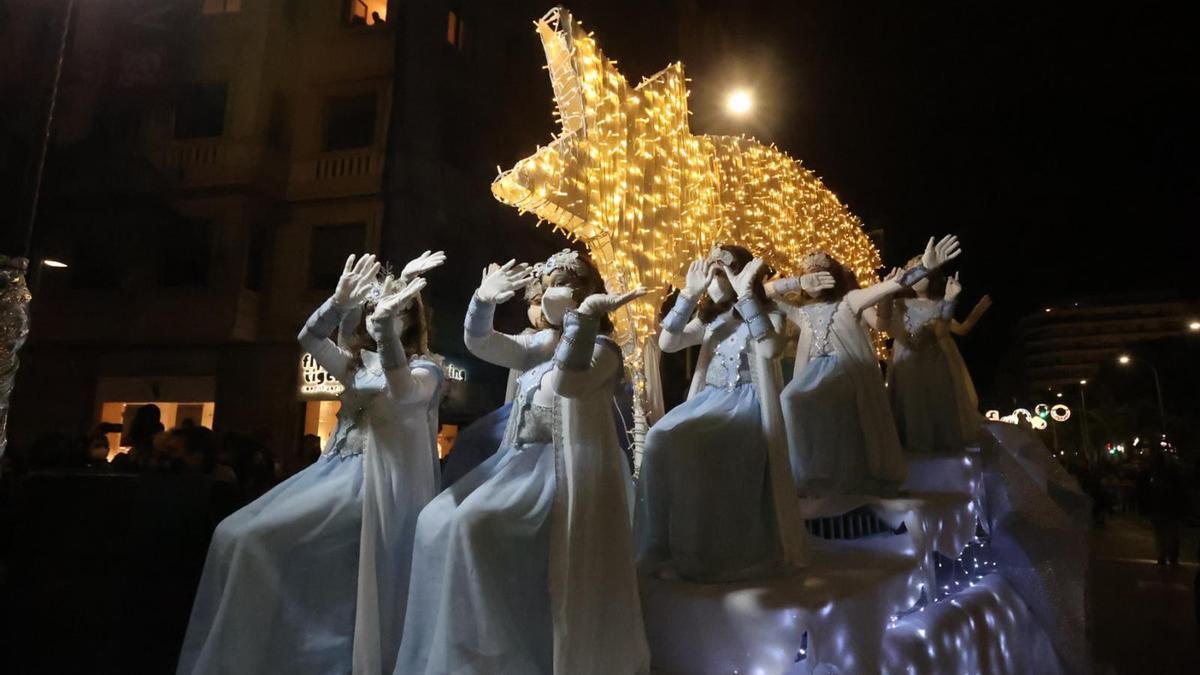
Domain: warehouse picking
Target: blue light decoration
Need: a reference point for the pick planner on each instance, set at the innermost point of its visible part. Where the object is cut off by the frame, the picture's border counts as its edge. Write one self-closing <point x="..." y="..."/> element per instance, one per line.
<point x="952" y="576"/>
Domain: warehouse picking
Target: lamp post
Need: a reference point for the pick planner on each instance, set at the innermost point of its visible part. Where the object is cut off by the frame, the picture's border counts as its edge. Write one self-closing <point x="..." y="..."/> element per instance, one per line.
<point x="1125" y="360"/>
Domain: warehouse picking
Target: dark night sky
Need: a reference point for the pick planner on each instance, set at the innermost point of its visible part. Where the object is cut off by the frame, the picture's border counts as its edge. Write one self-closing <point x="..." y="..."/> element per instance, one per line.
<point x="1058" y="142"/>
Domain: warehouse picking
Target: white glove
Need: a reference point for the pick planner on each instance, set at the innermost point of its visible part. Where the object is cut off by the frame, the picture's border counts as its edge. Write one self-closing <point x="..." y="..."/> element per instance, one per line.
<point x="600" y="304"/>
<point x="501" y="283"/>
<point x="422" y="264"/>
<point x="355" y="282"/>
<point x="943" y="252"/>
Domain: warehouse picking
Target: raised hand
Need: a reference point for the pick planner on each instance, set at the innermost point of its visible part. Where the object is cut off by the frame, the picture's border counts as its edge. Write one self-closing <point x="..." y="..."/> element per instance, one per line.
<point x="502" y="283"/>
<point x="398" y="299"/>
<point x="941" y="253"/>
<point x="422" y="264"/>
<point x="984" y="304"/>
<point x="699" y="274"/>
<point x="953" y="287"/>
<point x="813" y="284"/>
<point x="894" y="275"/>
<point x="743" y="282"/>
<point x="600" y="304"/>
<point x="355" y="282"/>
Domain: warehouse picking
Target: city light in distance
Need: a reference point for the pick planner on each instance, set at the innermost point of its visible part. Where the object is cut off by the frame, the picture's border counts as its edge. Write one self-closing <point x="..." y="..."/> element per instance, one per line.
<point x="1124" y="359"/>
<point x="56" y="264"/>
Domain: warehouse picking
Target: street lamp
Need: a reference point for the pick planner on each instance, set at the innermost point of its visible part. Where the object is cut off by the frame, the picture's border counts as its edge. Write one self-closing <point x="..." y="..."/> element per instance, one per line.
<point x="56" y="264"/>
<point x="1125" y="360"/>
<point x="1194" y="326"/>
<point x="739" y="102"/>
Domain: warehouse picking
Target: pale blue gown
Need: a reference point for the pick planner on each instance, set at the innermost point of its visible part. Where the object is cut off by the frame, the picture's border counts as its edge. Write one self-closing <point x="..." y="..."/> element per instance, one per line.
<point x="280" y="585"/>
<point x="921" y="385"/>
<point x="479" y="600"/>
<point x="820" y="408"/>
<point x="704" y="504"/>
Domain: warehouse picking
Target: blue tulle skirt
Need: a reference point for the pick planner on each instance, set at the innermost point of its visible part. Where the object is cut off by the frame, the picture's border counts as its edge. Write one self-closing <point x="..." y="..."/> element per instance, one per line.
<point x="475" y="443"/>
<point x="479" y="599"/>
<point x="280" y="583"/>
<point x="703" y="498"/>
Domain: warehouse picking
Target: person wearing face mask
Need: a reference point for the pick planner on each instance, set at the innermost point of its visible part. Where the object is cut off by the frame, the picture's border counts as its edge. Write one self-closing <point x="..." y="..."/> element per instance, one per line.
<point x="483" y="437"/>
<point x="715" y="499"/>
<point x="525" y="565"/>
<point x="930" y="390"/>
<point x="839" y="425"/>
<point x="312" y="576"/>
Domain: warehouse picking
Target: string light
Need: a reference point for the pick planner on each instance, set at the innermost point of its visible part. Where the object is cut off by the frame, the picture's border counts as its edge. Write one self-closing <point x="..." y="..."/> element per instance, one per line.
<point x="626" y="177"/>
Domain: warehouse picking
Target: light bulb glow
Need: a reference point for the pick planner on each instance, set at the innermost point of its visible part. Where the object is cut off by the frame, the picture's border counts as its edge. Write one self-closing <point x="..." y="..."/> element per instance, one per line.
<point x="739" y="102"/>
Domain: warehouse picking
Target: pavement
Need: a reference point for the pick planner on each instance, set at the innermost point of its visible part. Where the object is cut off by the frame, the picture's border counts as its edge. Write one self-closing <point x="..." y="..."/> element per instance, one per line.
<point x="1142" y="616"/>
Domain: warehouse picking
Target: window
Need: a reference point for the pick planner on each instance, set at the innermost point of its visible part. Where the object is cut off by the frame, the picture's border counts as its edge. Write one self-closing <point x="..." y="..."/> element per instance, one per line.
<point x="349" y="122"/>
<point x="368" y="12"/>
<point x="328" y="249"/>
<point x="255" y="258"/>
<point x="456" y="29"/>
<point x="186" y="254"/>
<point x="211" y="7"/>
<point x="200" y="110"/>
<point x="279" y="123"/>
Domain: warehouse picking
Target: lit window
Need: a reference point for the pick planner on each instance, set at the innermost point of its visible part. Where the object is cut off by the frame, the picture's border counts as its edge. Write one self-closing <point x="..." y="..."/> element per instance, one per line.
<point x="210" y="7"/>
<point x="173" y="414"/>
<point x="368" y="12"/>
<point x="456" y="29"/>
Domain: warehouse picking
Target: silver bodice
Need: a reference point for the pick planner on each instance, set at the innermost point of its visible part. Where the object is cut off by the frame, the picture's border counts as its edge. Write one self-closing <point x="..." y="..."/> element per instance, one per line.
<point x="818" y="317"/>
<point x="535" y="423"/>
<point x="730" y="362"/>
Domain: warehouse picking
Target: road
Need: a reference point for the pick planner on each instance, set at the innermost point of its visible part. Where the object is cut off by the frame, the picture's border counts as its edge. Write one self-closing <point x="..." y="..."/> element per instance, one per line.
<point x="1143" y="619"/>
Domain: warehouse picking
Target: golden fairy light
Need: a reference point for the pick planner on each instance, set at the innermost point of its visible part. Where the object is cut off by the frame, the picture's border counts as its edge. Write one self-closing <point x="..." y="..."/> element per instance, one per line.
<point x="626" y="176"/>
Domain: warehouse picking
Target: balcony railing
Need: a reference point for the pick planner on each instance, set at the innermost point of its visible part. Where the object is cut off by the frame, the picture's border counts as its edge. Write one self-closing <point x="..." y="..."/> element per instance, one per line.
<point x="336" y="174"/>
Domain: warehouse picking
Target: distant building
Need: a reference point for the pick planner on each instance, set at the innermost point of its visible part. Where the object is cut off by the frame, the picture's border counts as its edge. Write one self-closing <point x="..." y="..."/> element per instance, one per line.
<point x="214" y="163"/>
<point x="1069" y="341"/>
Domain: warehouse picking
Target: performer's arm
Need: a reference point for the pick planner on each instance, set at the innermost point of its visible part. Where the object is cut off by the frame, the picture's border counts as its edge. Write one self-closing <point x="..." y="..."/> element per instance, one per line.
<point x="977" y="313"/>
<point x="352" y="288"/>
<point x="581" y="363"/>
<point x="406" y="383"/>
<point x="679" y="329"/>
<point x="314" y="338"/>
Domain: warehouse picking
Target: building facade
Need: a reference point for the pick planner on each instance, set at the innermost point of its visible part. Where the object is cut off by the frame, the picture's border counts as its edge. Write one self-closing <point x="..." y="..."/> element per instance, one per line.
<point x="213" y="164"/>
<point x="1070" y="341"/>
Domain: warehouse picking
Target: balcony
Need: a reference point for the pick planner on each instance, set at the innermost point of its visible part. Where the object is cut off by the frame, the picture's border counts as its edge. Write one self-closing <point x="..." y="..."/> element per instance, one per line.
<point x="336" y="174"/>
<point x="211" y="162"/>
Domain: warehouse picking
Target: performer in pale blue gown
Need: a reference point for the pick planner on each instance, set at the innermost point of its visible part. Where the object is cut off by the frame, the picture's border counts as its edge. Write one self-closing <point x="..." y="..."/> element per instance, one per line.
<point x="931" y="396"/>
<point x="839" y="424"/>
<point x="713" y="502"/>
<point x="312" y="576"/>
<point x="525" y="565"/>
<point x="482" y="438"/>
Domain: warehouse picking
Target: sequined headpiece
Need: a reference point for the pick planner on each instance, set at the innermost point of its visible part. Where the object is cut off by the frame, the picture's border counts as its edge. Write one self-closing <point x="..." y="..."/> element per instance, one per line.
<point x="565" y="259"/>
<point x="720" y="255"/>
<point x="377" y="286"/>
<point x="536" y="287"/>
<point x="816" y="261"/>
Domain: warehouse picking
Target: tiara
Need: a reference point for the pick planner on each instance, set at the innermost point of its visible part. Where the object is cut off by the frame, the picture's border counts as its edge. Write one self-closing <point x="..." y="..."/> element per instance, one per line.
<point x="375" y="294"/>
<point x="718" y="254"/>
<point x="565" y="259"/>
<point x="535" y="287"/>
<point x="816" y="261"/>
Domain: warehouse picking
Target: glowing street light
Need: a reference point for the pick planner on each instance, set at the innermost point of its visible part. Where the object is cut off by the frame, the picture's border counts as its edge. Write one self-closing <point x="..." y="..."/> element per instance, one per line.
<point x="56" y="264"/>
<point x="739" y="102"/>
<point x="1123" y="359"/>
<point x="1194" y="326"/>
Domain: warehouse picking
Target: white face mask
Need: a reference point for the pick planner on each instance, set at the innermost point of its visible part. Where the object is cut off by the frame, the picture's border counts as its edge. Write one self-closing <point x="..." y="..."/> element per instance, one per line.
<point x="719" y="289"/>
<point x="556" y="302"/>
